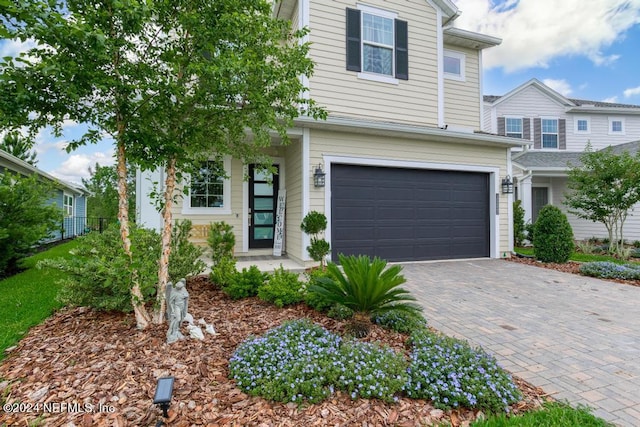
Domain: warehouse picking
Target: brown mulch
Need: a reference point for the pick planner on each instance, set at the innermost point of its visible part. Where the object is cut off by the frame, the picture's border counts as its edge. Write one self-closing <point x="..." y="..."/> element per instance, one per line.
<point x="567" y="267"/>
<point x="80" y="356"/>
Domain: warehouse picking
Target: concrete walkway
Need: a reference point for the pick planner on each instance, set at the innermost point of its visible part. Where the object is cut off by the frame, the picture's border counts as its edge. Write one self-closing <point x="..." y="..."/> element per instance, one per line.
<point x="576" y="337"/>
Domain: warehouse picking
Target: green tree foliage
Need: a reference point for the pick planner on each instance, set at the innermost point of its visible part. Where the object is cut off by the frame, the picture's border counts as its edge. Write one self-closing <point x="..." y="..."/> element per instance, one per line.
<point x="171" y="82"/>
<point x="103" y="186"/>
<point x="366" y="286"/>
<point x="221" y="241"/>
<point x="553" y="236"/>
<point x="518" y="223"/>
<point x="603" y="189"/>
<point x="98" y="273"/>
<point x="314" y="223"/>
<point x="19" y="146"/>
<point x="27" y="215"/>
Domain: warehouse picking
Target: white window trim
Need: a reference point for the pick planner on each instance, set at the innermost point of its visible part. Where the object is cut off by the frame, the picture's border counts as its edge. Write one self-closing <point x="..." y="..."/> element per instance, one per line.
<point x="575" y="124"/>
<point x="521" y="125"/>
<point x="365" y="75"/>
<point x="617" y="119"/>
<point x="226" y="196"/>
<point x="65" y="205"/>
<point x="543" y="133"/>
<point x="459" y="56"/>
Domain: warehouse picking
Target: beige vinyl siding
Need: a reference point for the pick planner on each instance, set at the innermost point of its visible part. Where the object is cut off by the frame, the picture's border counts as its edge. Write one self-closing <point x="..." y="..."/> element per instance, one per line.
<point x="295" y="24"/>
<point x="326" y="143"/>
<point x="462" y="98"/>
<point x="344" y="94"/>
<point x="293" y="214"/>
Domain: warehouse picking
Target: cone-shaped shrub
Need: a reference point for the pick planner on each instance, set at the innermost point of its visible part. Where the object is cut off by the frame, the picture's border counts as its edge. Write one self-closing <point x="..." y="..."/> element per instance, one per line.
<point x="553" y="236"/>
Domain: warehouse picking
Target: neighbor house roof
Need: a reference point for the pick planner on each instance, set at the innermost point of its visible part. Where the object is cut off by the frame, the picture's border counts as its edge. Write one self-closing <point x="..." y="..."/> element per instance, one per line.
<point x="562" y="160"/>
<point x="17" y="165"/>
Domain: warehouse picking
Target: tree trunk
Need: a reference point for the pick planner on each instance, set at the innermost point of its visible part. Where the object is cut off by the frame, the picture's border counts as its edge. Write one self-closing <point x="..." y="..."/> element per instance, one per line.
<point x="163" y="270"/>
<point x="137" y="300"/>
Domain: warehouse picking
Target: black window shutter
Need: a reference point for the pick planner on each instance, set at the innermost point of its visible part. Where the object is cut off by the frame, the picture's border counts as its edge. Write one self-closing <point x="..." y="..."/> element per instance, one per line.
<point x="402" y="50"/>
<point x="501" y="126"/>
<point x="562" y="134"/>
<point x="537" y="133"/>
<point x="353" y="40"/>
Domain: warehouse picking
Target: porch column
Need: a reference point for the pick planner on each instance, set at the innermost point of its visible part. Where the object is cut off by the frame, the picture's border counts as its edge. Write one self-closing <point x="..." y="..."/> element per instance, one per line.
<point x="525" y="196"/>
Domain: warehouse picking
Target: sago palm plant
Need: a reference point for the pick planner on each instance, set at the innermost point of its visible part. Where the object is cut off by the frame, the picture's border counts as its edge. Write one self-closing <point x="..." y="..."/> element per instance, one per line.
<point x="367" y="287"/>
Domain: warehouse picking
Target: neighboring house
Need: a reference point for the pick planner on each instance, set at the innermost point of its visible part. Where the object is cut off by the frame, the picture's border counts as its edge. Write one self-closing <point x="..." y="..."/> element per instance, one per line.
<point x="70" y="198"/>
<point x="408" y="174"/>
<point x="558" y="130"/>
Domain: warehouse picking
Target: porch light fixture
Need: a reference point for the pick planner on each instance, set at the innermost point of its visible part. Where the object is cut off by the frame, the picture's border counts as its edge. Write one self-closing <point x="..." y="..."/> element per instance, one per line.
<point x="507" y="185"/>
<point x="162" y="397"/>
<point x="318" y="177"/>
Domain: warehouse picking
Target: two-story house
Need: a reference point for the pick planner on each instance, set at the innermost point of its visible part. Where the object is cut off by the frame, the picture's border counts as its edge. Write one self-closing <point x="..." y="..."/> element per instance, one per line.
<point x="71" y="199"/>
<point x="558" y="130"/>
<point x="407" y="173"/>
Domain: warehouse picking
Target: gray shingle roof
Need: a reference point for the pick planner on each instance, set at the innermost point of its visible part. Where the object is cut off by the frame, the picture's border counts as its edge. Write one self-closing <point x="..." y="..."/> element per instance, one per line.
<point x="579" y="102"/>
<point x="547" y="159"/>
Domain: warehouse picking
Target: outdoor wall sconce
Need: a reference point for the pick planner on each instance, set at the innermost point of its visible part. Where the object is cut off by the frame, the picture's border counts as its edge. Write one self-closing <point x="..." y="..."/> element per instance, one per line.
<point x="507" y="185"/>
<point x="318" y="177"/>
<point x="162" y="398"/>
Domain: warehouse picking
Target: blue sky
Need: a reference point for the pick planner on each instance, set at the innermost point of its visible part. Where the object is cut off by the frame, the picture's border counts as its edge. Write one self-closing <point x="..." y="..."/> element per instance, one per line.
<point x="587" y="49"/>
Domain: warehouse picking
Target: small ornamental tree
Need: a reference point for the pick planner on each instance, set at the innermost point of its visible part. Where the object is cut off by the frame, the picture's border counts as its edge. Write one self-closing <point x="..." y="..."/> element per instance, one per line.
<point x="314" y="224"/>
<point x="604" y="189"/>
<point x="553" y="236"/>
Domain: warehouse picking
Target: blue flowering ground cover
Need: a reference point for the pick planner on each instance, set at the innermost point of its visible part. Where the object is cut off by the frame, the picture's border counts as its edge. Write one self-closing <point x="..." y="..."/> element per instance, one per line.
<point x="610" y="270"/>
<point x="301" y="361"/>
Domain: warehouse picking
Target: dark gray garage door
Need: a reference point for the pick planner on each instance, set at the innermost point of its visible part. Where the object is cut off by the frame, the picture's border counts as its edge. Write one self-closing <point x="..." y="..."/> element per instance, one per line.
<point x="409" y="214"/>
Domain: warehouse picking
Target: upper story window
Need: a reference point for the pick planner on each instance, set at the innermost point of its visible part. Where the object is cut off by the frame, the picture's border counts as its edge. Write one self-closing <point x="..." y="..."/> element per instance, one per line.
<point x="377" y="44"/>
<point x="582" y="125"/>
<point x="453" y="65"/>
<point x="616" y="126"/>
<point x="67" y="205"/>
<point x="549" y="133"/>
<point x="513" y="127"/>
<point x="209" y="189"/>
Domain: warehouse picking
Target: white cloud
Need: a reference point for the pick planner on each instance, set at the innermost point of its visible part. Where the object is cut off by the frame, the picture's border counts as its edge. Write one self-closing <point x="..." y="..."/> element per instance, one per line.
<point x="628" y="93"/>
<point x="15" y="47"/>
<point x="534" y="32"/>
<point x="613" y="99"/>
<point x="561" y="86"/>
<point x="76" y="166"/>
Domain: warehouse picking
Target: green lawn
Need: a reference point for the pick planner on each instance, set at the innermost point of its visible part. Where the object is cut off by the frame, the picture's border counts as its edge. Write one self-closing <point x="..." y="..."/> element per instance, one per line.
<point x="552" y="415"/>
<point x="28" y="298"/>
<point x="578" y="256"/>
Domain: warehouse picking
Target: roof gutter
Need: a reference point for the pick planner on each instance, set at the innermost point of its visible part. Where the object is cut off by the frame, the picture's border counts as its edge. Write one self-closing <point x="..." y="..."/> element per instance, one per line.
<point x="370" y="127"/>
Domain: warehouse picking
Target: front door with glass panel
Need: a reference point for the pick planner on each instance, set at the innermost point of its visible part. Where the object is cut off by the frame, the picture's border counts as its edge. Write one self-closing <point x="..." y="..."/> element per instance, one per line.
<point x="263" y="197"/>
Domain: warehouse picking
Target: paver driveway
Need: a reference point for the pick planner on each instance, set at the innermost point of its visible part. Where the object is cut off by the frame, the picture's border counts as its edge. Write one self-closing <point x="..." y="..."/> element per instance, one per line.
<point x="574" y="336"/>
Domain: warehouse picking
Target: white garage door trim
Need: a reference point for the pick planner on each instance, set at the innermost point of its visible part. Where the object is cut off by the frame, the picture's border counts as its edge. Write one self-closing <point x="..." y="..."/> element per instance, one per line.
<point x="494" y="172"/>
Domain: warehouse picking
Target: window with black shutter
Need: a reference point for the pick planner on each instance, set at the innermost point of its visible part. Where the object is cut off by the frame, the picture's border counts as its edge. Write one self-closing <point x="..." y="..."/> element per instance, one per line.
<point x="377" y="44"/>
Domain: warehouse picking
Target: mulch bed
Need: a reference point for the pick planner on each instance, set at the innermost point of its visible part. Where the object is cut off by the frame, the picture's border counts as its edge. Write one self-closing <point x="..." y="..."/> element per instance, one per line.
<point x="80" y="356"/>
<point x="568" y="267"/>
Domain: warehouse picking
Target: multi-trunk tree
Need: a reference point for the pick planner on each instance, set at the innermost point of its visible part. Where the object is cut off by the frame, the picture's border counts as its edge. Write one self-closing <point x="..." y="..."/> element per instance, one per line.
<point x="604" y="188"/>
<point x="173" y="82"/>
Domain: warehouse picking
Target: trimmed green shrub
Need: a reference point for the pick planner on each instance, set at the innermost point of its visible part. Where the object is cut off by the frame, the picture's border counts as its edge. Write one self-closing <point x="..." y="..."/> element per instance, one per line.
<point x="553" y="236"/>
<point x="519" y="234"/>
<point x="452" y="374"/>
<point x="221" y="241"/>
<point x="223" y="273"/>
<point x="281" y="288"/>
<point x="313" y="224"/>
<point x="340" y="312"/>
<point x="100" y="274"/>
<point x="400" y="321"/>
<point x="314" y="299"/>
<point x="184" y="260"/>
<point x="555" y="414"/>
<point x="246" y="283"/>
